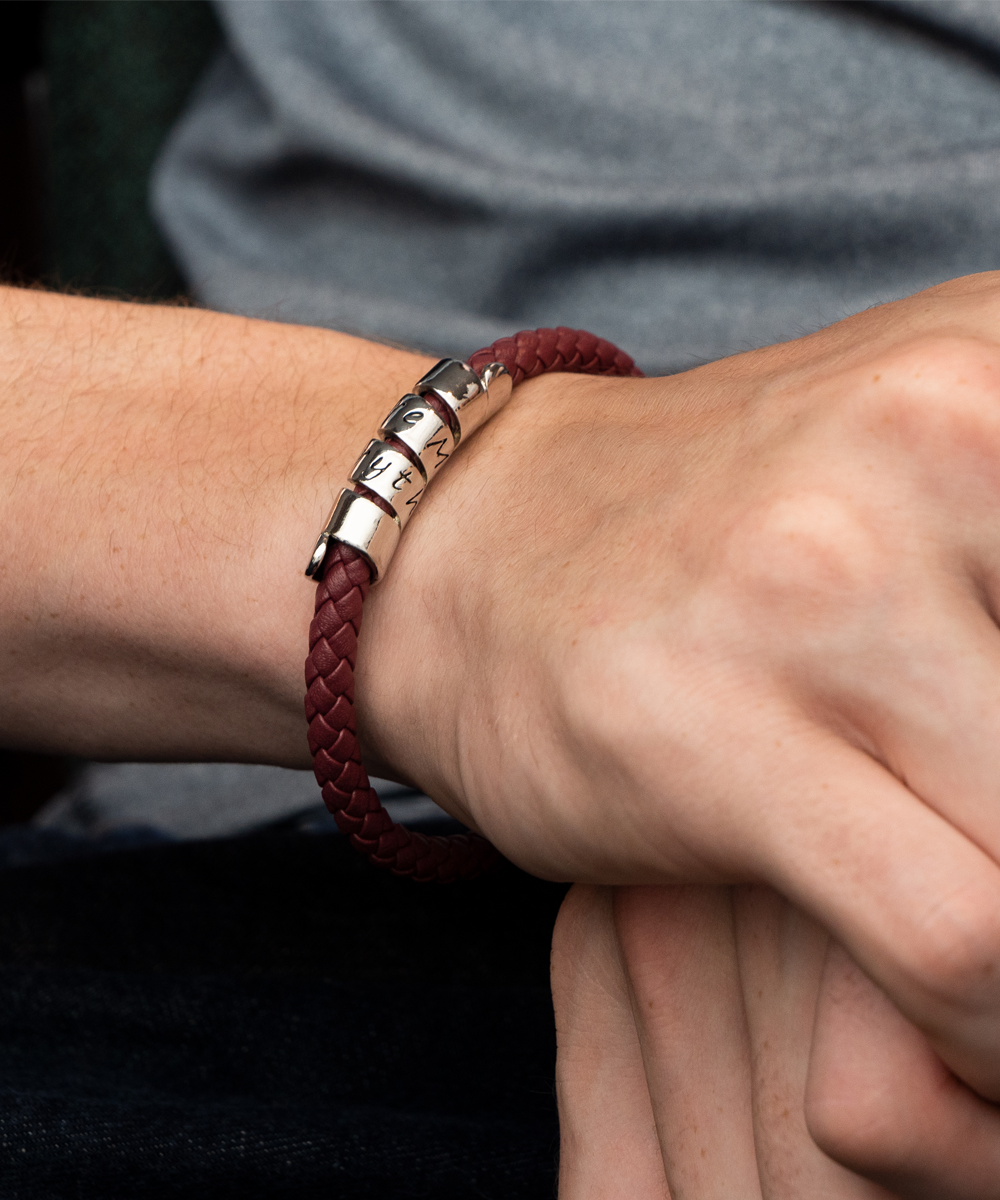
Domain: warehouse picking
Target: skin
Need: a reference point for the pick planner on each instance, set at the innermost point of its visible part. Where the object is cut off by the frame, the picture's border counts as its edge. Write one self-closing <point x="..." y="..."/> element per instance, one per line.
<point x="752" y="639"/>
<point x="766" y="1061"/>
<point x="735" y="625"/>
<point x="166" y="471"/>
<point x="609" y="1138"/>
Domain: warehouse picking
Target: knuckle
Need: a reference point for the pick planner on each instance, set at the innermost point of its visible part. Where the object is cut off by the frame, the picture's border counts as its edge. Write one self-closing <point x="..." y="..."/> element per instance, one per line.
<point x="854" y="1124"/>
<point x="955" y="959"/>
<point x="806" y="551"/>
<point x="935" y="395"/>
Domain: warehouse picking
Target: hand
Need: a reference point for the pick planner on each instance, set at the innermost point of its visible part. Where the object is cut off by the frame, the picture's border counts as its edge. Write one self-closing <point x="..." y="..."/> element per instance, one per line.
<point x="735" y="624"/>
<point x="775" y="1068"/>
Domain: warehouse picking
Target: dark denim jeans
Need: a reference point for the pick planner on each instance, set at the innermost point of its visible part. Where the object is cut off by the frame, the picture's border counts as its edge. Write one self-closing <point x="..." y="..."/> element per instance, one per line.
<point x="268" y="1016"/>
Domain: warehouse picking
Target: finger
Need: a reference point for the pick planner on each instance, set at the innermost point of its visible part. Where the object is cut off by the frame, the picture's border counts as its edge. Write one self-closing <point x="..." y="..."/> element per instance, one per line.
<point x="915" y="902"/>
<point x="933" y="711"/>
<point x="930" y="710"/>
<point x="781" y="953"/>
<point x="608" y="1143"/>
<point x="783" y="800"/>
<point x="677" y="949"/>
<point x="882" y="1102"/>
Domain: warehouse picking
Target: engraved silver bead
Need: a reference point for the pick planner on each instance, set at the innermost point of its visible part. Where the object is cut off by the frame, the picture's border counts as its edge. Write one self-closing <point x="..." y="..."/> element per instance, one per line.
<point x="415" y="423"/>
<point x="391" y="475"/>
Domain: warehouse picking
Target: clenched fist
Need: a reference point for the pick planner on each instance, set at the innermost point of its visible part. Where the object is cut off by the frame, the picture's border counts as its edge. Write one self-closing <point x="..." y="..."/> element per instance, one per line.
<point x="737" y="624"/>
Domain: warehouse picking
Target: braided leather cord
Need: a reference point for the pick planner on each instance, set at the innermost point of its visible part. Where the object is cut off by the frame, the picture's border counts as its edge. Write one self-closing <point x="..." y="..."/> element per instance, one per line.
<point x="333" y="648"/>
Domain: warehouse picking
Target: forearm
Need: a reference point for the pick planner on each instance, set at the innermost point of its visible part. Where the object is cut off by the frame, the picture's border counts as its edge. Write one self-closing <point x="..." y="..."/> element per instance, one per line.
<point x="166" y="470"/>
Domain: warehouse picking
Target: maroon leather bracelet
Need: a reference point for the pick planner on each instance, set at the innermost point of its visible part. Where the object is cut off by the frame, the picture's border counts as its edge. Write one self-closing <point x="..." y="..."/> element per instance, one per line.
<point x="345" y="575"/>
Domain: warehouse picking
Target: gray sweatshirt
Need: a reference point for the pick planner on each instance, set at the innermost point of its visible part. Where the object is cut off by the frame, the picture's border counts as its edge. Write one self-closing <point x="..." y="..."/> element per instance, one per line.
<point x="689" y="178"/>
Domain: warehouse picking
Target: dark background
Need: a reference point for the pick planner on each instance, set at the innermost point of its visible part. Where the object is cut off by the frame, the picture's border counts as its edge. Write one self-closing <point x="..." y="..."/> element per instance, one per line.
<point x="88" y="91"/>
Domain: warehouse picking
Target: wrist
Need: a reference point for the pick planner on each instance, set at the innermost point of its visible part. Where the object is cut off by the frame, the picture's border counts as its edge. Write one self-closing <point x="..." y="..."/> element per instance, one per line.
<point x="354" y="551"/>
<point x="422" y="651"/>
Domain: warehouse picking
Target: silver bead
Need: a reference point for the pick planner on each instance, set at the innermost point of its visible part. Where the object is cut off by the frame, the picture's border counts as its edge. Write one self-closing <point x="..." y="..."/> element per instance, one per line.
<point x="459" y="387"/>
<point x="414" y="423"/>
<point x="391" y="475"/>
<point x="360" y="523"/>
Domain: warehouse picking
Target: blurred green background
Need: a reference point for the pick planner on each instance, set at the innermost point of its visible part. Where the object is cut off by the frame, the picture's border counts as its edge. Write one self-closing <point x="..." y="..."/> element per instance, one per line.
<point x="98" y="84"/>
